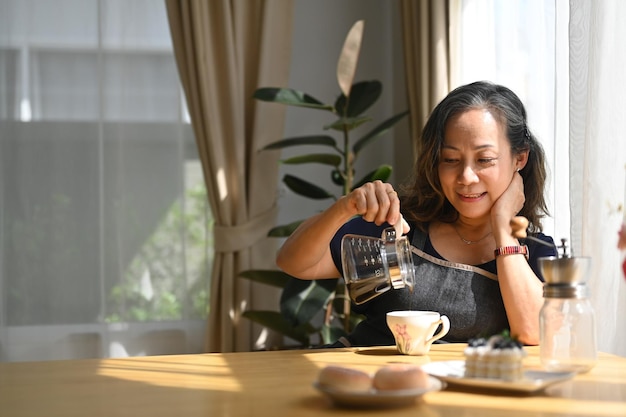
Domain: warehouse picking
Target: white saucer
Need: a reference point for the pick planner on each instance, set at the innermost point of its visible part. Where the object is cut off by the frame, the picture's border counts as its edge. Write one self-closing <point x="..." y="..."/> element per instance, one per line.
<point x="375" y="398"/>
<point x="534" y="380"/>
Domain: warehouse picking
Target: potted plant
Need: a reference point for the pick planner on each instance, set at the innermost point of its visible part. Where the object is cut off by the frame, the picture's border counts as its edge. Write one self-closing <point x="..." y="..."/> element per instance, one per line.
<point x="302" y="301"/>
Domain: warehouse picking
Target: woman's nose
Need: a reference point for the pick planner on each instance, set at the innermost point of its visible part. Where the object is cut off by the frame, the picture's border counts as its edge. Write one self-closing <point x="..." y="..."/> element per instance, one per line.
<point x="468" y="175"/>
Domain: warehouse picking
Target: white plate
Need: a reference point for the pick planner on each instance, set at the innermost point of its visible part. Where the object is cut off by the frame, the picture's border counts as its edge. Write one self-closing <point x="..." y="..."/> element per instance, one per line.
<point x="534" y="380"/>
<point x="375" y="398"/>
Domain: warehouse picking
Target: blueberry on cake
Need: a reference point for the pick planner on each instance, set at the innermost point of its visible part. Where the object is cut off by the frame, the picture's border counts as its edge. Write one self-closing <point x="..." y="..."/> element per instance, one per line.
<point x="499" y="357"/>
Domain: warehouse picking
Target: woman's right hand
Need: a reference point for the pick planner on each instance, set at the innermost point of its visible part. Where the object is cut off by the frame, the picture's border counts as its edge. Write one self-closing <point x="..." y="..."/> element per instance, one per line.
<point x="376" y="202"/>
<point x="306" y="253"/>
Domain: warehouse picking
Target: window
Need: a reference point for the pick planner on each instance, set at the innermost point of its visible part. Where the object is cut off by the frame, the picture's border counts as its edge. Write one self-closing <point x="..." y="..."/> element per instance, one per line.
<point x="105" y="239"/>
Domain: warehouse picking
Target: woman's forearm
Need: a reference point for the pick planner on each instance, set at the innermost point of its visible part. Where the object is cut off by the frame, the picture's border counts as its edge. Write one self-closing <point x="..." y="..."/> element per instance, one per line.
<point x="306" y="253"/>
<point x="522" y="291"/>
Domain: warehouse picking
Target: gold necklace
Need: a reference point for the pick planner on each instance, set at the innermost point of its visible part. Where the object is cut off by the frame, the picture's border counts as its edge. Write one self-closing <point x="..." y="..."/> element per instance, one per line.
<point x="467" y="241"/>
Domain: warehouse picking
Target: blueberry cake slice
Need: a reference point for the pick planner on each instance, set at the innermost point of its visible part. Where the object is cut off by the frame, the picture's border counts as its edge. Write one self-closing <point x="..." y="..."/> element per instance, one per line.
<point x="499" y="357"/>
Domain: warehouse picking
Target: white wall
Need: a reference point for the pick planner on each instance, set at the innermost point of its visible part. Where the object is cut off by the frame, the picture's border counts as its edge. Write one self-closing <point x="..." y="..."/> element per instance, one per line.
<point x="320" y="28"/>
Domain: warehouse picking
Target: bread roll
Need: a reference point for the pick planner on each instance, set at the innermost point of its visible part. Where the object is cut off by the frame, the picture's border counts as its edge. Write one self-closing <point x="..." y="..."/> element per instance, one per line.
<point x="399" y="377"/>
<point x="345" y="379"/>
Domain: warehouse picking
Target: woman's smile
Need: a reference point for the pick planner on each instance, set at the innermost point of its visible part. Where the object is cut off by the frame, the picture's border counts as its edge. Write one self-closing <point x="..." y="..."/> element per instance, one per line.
<point x="471" y="197"/>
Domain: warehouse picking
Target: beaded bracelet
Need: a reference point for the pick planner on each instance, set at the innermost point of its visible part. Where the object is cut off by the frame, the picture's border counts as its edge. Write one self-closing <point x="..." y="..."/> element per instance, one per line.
<point x="512" y="250"/>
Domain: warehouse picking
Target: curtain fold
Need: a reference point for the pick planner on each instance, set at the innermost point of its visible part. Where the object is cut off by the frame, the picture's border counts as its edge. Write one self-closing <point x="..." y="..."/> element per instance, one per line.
<point x="426" y="43"/>
<point x="224" y="50"/>
<point x="597" y="152"/>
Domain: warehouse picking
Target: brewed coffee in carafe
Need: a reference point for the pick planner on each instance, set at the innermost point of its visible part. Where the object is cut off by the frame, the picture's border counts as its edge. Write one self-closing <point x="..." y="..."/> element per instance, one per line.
<point x="372" y="266"/>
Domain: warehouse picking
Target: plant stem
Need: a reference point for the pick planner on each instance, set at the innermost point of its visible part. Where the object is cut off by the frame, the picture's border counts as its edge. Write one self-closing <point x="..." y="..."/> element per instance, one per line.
<point x="347" y="162"/>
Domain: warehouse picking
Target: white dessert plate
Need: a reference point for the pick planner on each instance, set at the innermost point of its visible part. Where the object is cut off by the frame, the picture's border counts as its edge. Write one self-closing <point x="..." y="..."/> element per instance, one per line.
<point x="375" y="398"/>
<point x="534" y="380"/>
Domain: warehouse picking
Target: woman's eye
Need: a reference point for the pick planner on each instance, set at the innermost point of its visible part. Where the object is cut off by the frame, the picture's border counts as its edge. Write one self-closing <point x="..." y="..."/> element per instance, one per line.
<point x="486" y="161"/>
<point x="450" y="160"/>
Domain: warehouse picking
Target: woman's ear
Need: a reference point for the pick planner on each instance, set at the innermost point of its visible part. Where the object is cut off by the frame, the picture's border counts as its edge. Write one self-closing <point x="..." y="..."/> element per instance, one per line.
<point x="521" y="159"/>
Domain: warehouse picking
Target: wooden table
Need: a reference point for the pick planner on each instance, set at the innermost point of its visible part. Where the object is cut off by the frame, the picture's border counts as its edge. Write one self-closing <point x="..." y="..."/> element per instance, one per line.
<point x="278" y="383"/>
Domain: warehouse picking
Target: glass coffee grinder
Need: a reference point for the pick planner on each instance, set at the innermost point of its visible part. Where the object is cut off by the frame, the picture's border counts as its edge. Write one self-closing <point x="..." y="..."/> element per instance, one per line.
<point x="566" y="320"/>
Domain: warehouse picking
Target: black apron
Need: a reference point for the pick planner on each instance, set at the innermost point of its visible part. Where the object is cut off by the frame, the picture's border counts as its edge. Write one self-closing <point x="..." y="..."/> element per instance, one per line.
<point x="468" y="295"/>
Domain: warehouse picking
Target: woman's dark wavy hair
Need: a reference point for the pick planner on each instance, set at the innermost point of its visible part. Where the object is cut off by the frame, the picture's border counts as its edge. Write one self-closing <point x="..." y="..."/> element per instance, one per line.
<point x="423" y="200"/>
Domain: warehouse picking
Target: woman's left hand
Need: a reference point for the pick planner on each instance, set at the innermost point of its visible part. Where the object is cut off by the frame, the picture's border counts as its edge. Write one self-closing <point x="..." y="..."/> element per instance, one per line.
<point x="509" y="204"/>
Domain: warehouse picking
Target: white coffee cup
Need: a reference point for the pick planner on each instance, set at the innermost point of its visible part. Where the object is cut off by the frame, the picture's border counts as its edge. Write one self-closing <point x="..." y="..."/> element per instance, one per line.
<point x="414" y="331"/>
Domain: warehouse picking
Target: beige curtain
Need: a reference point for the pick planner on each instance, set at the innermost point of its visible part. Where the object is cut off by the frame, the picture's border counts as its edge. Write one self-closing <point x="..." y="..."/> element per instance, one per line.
<point x="426" y="41"/>
<point x="225" y="49"/>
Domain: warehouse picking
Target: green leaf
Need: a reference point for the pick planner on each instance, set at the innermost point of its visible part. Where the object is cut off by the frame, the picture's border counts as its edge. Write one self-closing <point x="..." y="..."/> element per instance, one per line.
<point x="305" y="188"/>
<point x="338" y="303"/>
<point x="275" y="321"/>
<point x="303" y="140"/>
<point x="284" y="230"/>
<point x="331" y="334"/>
<point x="362" y="96"/>
<point x="348" y="123"/>
<point x="355" y="319"/>
<point x="302" y="300"/>
<point x="377" y="132"/>
<point x="382" y="173"/>
<point x="290" y="97"/>
<point x="270" y="277"/>
<point x="320" y="158"/>
<point x="337" y="177"/>
<point x="349" y="57"/>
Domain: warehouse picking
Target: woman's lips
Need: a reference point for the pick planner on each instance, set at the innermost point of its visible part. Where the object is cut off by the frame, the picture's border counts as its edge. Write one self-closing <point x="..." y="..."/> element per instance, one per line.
<point x="470" y="198"/>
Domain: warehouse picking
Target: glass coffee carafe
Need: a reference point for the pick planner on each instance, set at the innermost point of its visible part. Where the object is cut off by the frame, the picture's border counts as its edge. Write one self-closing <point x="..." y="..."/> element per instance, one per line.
<point x="372" y="266"/>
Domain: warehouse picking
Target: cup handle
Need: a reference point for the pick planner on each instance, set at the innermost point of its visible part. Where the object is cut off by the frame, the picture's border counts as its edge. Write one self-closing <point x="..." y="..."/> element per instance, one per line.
<point x="445" y="323"/>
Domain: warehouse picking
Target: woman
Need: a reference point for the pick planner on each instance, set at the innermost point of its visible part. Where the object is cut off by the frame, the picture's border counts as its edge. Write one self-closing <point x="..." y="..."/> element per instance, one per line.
<point x="478" y="166"/>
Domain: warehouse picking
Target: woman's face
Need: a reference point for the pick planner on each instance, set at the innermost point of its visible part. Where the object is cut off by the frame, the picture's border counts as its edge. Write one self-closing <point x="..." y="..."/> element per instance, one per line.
<point x="475" y="165"/>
